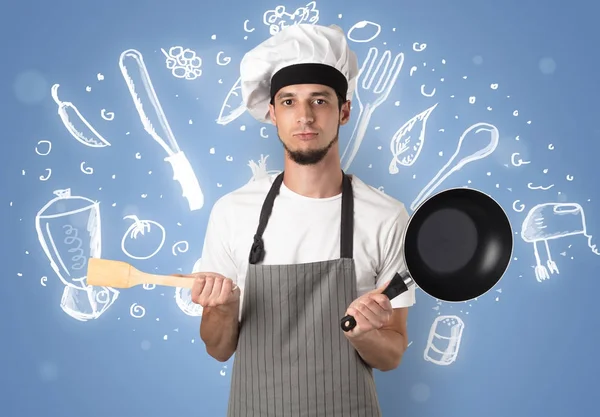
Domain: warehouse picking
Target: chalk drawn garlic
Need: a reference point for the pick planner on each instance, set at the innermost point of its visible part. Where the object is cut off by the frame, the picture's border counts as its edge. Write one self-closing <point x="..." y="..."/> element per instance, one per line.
<point x="151" y="231"/>
<point x="259" y="171"/>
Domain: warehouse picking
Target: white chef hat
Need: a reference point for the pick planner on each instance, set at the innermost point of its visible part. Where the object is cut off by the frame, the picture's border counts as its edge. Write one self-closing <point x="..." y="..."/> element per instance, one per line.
<point x="299" y="54"/>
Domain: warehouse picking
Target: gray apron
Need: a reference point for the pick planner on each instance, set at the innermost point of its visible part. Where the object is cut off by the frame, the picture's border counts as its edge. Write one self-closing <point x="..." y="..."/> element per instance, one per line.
<point x="292" y="358"/>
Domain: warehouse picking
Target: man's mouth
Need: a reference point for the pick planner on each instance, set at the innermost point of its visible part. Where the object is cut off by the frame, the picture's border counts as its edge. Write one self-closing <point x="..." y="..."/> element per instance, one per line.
<point x="306" y="135"/>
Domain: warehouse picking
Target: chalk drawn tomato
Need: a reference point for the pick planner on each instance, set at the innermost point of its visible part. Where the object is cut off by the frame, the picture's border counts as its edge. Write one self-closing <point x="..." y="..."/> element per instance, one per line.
<point x="152" y="232"/>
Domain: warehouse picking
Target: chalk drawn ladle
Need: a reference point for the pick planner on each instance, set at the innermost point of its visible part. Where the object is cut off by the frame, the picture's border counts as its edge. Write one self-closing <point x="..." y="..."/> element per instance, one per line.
<point x="483" y="136"/>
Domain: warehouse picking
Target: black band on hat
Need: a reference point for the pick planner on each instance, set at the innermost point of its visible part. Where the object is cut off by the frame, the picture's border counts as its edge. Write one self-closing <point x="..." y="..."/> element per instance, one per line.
<point x="309" y="74"/>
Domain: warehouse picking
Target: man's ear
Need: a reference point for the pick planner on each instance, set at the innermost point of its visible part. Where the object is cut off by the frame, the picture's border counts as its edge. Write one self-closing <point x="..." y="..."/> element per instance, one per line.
<point x="272" y="114"/>
<point x="345" y="112"/>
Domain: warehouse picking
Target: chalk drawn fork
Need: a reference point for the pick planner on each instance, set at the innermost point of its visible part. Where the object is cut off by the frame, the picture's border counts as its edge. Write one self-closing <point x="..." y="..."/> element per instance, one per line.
<point x="371" y="96"/>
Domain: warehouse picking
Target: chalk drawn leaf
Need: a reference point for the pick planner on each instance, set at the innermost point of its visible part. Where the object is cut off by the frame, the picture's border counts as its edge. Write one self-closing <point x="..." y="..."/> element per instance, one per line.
<point x="233" y="105"/>
<point x="408" y="141"/>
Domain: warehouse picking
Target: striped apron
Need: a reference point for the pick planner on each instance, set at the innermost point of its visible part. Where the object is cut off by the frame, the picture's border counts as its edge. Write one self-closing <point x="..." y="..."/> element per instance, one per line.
<point x="292" y="358"/>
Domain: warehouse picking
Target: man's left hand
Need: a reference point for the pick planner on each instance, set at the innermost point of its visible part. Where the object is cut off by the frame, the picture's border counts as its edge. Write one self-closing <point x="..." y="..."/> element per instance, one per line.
<point x="371" y="311"/>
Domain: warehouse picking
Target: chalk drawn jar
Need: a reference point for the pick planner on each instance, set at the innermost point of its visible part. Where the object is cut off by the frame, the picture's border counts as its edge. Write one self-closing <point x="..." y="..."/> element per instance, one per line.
<point x="69" y="231"/>
<point x="89" y="303"/>
<point x="444" y="338"/>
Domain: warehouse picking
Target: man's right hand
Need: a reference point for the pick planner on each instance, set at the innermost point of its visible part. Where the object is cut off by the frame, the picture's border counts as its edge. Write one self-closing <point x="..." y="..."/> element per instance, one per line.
<point x="220" y="300"/>
<point x="214" y="290"/>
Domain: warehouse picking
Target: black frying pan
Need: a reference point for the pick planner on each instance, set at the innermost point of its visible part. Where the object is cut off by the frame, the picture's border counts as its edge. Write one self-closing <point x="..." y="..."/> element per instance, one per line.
<point x="457" y="245"/>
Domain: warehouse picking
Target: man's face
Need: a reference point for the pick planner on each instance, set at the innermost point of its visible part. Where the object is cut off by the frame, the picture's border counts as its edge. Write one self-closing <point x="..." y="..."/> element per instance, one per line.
<point x="308" y="118"/>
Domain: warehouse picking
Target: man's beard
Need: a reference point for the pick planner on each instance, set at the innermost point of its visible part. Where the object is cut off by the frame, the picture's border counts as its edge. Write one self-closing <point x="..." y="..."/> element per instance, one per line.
<point x="310" y="157"/>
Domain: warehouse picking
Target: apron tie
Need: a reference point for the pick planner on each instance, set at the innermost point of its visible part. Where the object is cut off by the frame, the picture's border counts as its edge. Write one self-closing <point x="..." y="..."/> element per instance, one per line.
<point x="257" y="252"/>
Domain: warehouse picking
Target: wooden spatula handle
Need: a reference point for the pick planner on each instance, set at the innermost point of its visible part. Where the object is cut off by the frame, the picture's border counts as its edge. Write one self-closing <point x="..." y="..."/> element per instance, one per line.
<point x="170" y="281"/>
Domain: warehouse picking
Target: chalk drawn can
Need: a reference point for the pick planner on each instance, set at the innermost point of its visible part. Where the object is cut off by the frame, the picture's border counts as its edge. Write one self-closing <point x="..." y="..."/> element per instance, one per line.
<point x="444" y="339"/>
<point x="68" y="228"/>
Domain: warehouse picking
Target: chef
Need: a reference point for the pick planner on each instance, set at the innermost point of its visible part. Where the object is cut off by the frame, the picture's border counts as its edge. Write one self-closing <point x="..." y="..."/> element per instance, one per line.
<point x="287" y="256"/>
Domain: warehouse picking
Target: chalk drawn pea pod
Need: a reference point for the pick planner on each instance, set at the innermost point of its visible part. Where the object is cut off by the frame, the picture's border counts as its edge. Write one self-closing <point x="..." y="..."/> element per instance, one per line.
<point x="170" y="63"/>
<point x="76" y="124"/>
<point x="175" y="51"/>
<point x="196" y="62"/>
<point x="192" y="74"/>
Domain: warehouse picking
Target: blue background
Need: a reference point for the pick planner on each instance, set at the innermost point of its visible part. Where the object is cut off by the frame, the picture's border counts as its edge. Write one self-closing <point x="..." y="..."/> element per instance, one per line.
<point x="528" y="348"/>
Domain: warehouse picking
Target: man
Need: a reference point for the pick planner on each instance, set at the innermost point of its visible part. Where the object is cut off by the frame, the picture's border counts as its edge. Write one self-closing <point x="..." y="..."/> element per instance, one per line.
<point x="286" y="257"/>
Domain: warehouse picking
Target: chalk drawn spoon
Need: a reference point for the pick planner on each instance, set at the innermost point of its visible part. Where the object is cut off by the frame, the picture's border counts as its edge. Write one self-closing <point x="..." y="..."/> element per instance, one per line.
<point x="481" y="136"/>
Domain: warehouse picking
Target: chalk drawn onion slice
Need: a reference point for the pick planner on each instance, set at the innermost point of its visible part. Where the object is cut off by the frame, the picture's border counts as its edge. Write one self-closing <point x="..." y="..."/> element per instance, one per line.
<point x="408" y="141"/>
<point x="233" y="105"/>
<point x="76" y="124"/>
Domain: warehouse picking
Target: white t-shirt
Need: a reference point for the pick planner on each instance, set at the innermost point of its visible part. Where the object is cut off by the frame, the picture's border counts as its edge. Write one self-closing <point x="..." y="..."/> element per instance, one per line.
<point x="303" y="230"/>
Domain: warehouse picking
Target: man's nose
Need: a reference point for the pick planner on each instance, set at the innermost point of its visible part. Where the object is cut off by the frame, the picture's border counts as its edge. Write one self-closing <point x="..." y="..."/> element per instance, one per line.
<point x="306" y="115"/>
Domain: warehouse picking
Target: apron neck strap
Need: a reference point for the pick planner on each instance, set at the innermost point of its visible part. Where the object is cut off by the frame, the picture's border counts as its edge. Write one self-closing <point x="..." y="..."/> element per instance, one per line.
<point x="347" y="221"/>
<point x="257" y="252"/>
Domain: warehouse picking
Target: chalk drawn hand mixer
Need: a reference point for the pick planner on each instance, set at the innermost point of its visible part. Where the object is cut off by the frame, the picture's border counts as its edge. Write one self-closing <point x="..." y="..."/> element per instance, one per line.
<point x="119" y="274"/>
<point x="132" y="67"/>
<point x="490" y="138"/>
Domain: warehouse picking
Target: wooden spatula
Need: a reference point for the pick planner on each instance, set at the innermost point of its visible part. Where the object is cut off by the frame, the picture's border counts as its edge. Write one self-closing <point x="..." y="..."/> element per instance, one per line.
<point x="119" y="274"/>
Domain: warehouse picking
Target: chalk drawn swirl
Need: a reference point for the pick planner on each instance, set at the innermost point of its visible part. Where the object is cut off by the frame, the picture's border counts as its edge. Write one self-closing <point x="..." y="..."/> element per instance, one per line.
<point x="177" y="246"/>
<point x="521" y="206"/>
<point x="47" y="176"/>
<point x="49" y="147"/>
<point x="137" y="311"/>
<point x="86" y="170"/>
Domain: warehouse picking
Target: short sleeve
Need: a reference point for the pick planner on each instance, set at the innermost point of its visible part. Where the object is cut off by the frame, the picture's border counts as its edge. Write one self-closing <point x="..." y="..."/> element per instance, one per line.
<point x="393" y="260"/>
<point x="216" y="251"/>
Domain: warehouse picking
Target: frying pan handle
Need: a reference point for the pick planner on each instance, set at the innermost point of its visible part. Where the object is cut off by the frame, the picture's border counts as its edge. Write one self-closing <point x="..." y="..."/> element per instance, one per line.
<point x="397" y="286"/>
